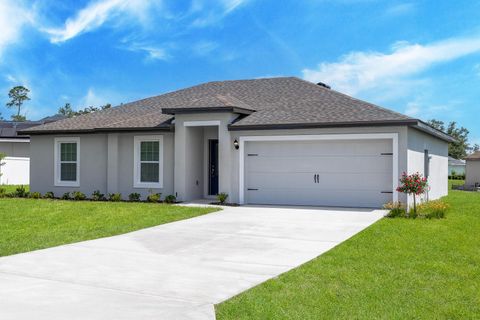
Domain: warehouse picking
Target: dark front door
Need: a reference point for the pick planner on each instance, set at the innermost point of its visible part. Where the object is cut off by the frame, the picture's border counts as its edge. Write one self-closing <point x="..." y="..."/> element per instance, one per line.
<point x="213" y="167"/>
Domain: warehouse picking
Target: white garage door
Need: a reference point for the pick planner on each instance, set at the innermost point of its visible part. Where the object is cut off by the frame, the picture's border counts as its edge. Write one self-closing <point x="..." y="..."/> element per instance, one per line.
<point x="346" y="173"/>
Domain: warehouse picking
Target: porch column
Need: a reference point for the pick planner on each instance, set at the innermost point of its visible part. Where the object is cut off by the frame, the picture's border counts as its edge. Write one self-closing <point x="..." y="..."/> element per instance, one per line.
<point x="224" y="158"/>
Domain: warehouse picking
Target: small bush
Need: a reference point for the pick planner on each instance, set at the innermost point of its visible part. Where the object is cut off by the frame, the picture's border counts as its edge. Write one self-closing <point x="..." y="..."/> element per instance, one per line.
<point x="66" y="196"/>
<point x="3" y="193"/>
<point x="78" y="196"/>
<point x="115" y="197"/>
<point x="154" y="197"/>
<point x="98" y="196"/>
<point x="436" y="209"/>
<point x="222" y="197"/>
<point x="49" y="195"/>
<point x="170" y="199"/>
<point x="134" y="197"/>
<point x="395" y="209"/>
<point x="35" y="195"/>
<point x="21" y="192"/>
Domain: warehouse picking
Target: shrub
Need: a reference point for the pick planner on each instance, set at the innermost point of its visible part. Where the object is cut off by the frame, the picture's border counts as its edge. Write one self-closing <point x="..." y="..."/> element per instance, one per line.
<point x="49" y="195"/>
<point x="395" y="209"/>
<point x="414" y="184"/>
<point x="135" y="197"/>
<point x="35" y="195"/>
<point x="115" y="197"/>
<point x="21" y="192"/>
<point x="78" y="196"/>
<point x="98" y="196"/>
<point x="66" y="196"/>
<point x="170" y="199"/>
<point x="3" y="192"/>
<point x="436" y="209"/>
<point x="222" y="197"/>
<point x="154" y="197"/>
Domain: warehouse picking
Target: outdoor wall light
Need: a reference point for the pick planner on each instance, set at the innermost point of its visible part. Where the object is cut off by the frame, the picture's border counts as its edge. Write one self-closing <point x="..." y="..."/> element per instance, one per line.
<point x="235" y="144"/>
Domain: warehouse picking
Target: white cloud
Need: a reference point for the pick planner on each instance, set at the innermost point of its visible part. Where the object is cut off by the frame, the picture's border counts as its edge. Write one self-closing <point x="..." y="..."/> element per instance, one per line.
<point x="97" y="13"/>
<point x="92" y="99"/>
<point x="13" y="17"/>
<point x="360" y="71"/>
<point x="204" y="47"/>
<point x="400" y="9"/>
<point x="211" y="12"/>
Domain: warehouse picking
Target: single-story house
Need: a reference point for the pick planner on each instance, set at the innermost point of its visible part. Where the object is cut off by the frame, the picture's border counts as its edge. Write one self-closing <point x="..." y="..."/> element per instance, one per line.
<point x="456" y="165"/>
<point x="16" y="165"/>
<point x="472" y="171"/>
<point x="282" y="141"/>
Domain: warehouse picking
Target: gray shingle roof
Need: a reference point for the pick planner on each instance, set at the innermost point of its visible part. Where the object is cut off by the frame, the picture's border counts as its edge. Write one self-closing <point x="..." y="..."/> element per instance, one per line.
<point x="10" y="129"/>
<point x="270" y="102"/>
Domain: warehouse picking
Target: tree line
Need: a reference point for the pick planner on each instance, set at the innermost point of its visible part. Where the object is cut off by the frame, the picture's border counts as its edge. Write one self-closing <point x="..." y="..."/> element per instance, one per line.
<point x="18" y="95"/>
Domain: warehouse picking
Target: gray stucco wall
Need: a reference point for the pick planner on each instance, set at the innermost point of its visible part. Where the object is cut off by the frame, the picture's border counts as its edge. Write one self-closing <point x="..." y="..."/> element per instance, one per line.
<point x="402" y="145"/>
<point x="95" y="163"/>
<point x="418" y="142"/>
<point x="472" y="173"/>
<point x="15" y="149"/>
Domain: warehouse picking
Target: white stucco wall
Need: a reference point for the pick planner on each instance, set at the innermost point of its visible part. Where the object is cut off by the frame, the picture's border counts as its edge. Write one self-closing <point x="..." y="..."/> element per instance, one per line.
<point x="459" y="169"/>
<point x="418" y="142"/>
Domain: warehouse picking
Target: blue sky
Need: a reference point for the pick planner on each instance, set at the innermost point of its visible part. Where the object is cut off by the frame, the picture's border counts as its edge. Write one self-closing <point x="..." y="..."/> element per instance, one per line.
<point x="421" y="58"/>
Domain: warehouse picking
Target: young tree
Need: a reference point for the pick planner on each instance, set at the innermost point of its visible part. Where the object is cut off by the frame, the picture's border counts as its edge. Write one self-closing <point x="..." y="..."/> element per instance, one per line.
<point x="66" y="110"/>
<point x="461" y="147"/>
<point x="414" y="184"/>
<point x="18" y="95"/>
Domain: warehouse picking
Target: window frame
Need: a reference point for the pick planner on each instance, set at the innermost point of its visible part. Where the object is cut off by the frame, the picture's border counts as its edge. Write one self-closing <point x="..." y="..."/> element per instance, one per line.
<point x="58" y="162"/>
<point x="137" y="163"/>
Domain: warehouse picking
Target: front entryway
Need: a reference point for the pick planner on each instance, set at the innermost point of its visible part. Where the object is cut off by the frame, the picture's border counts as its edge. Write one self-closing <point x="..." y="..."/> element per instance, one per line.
<point x="212" y="167"/>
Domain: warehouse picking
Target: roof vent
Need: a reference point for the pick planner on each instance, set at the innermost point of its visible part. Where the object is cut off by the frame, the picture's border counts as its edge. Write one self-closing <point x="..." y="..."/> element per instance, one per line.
<point x="321" y="84"/>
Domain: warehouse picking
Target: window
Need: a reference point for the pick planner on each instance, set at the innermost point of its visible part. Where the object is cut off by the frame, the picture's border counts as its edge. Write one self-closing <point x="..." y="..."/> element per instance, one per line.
<point x="67" y="162"/>
<point x="426" y="163"/>
<point x="148" y="162"/>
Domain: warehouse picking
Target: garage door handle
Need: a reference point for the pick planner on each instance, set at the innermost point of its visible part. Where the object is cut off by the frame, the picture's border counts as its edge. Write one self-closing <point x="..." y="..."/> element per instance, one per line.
<point x="316" y="178"/>
<point x="251" y="189"/>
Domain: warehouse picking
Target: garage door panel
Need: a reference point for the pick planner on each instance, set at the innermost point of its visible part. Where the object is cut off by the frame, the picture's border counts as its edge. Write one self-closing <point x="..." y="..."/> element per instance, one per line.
<point x="371" y="164"/>
<point x="310" y="148"/>
<point x="354" y="173"/>
<point x="375" y="181"/>
<point x="349" y="198"/>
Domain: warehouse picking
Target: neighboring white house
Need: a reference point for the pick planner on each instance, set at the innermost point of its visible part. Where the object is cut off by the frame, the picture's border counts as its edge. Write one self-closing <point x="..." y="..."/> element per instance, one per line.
<point x="456" y="165"/>
<point x="472" y="172"/>
<point x="16" y="166"/>
<point x="280" y="141"/>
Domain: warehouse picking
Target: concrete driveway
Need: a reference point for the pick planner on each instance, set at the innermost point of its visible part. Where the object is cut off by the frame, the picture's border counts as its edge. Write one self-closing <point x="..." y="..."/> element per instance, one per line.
<point x="173" y="271"/>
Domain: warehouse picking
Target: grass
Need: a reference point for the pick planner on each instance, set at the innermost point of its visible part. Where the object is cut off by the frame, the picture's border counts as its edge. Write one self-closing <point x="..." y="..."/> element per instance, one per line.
<point x="396" y="269"/>
<point x="12" y="188"/>
<point x="28" y="224"/>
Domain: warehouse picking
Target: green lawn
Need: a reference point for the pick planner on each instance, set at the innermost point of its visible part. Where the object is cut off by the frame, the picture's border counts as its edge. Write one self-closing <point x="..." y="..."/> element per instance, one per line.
<point x="28" y="224"/>
<point x="12" y="188"/>
<point x="396" y="269"/>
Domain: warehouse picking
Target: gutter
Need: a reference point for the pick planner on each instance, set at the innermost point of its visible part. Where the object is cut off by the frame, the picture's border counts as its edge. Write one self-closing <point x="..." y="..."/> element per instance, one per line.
<point x="170" y="128"/>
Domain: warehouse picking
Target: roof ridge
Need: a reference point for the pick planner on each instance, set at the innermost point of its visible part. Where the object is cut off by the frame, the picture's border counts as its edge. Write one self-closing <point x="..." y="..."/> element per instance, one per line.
<point x="353" y="98"/>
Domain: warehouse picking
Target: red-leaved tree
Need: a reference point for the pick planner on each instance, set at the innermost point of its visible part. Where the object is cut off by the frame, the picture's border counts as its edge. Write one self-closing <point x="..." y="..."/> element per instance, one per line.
<point x="414" y="184"/>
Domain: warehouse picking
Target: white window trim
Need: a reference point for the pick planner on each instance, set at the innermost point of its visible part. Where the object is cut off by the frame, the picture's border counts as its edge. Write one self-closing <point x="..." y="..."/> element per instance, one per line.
<point x="58" y="182"/>
<point x="366" y="136"/>
<point x="137" y="140"/>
